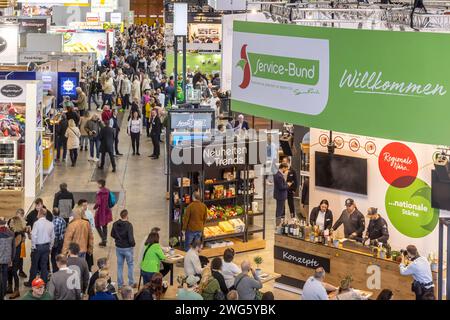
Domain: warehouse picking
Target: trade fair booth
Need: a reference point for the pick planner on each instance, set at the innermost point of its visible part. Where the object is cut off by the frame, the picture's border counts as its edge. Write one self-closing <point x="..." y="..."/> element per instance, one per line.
<point x="376" y="150"/>
<point x="21" y="165"/>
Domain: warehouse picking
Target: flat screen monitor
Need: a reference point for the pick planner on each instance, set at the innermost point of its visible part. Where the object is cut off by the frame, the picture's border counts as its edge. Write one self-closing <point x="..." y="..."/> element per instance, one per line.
<point x="440" y="192"/>
<point x="341" y="172"/>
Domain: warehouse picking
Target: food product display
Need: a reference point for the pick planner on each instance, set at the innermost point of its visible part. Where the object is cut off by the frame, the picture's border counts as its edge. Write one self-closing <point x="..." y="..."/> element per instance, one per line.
<point x="219" y="212"/>
<point x="11" y="176"/>
<point x="226" y="226"/>
<point x="238" y="225"/>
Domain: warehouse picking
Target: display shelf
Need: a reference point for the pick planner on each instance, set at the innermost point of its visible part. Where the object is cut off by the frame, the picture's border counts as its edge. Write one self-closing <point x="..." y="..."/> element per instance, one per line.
<point x="217" y="180"/>
<point x="239" y="246"/>
<point x="254" y="229"/>
<point x="178" y="187"/>
<point x="224" y="236"/>
<point x="211" y="221"/>
<point x="221" y="182"/>
<point x="11" y="175"/>
<point x="219" y="200"/>
<point x="250" y="215"/>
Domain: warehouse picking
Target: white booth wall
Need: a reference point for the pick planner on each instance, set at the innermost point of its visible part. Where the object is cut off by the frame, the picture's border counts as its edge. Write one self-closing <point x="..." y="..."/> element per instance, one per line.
<point x="227" y="42"/>
<point x="377" y="188"/>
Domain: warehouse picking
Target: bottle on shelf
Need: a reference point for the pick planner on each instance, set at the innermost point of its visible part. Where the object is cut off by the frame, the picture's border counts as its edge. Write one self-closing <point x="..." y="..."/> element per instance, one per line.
<point x="286" y="228"/>
<point x="326" y="235"/>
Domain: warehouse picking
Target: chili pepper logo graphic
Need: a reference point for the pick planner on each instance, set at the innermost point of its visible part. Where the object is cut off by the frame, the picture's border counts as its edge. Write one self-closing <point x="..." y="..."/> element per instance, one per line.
<point x="243" y="64"/>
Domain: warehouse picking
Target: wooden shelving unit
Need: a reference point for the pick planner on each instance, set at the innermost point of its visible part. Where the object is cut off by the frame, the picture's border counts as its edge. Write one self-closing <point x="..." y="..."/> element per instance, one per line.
<point x="238" y="192"/>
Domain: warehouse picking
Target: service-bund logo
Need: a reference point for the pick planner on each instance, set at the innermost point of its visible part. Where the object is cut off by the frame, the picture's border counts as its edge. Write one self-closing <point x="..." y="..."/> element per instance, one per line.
<point x="243" y="63"/>
<point x="279" y="68"/>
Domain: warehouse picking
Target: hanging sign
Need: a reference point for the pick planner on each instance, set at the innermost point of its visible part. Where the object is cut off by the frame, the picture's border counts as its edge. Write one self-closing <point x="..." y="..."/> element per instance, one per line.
<point x="344" y="80"/>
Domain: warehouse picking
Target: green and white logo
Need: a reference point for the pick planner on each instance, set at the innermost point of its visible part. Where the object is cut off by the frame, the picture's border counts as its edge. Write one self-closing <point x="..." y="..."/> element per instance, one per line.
<point x="302" y="71"/>
<point x="409" y="209"/>
<point x="267" y="72"/>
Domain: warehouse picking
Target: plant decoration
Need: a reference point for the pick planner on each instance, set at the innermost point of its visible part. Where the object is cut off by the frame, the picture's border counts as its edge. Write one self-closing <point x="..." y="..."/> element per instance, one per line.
<point x="173" y="242"/>
<point x="258" y="261"/>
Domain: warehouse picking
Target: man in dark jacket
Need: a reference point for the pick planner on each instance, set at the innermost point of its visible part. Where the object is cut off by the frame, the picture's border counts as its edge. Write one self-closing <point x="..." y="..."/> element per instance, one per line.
<point x="93" y="91"/>
<point x="60" y="138"/>
<point x="292" y="181"/>
<point x="32" y="216"/>
<point x="353" y="221"/>
<point x="377" y="231"/>
<point x="7" y="251"/>
<point x="155" y="133"/>
<point x="79" y="265"/>
<point x="101" y="263"/>
<point x="64" y="201"/>
<point x="122" y="233"/>
<point x="93" y="127"/>
<point x="280" y="190"/>
<point x="116" y="128"/>
<point x="106" y="138"/>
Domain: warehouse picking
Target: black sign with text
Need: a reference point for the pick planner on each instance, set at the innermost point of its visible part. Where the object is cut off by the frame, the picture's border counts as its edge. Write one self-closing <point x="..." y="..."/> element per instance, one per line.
<point x="301" y="258"/>
<point x="32" y="25"/>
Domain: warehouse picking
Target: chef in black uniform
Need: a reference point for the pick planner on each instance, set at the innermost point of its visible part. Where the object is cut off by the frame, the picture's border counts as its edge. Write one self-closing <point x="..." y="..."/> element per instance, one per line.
<point x="353" y="220"/>
<point x="377" y="231"/>
<point x="292" y="181"/>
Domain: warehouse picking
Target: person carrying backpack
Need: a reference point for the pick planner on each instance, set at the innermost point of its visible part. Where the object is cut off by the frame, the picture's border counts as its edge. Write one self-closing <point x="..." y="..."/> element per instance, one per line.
<point x="105" y="200"/>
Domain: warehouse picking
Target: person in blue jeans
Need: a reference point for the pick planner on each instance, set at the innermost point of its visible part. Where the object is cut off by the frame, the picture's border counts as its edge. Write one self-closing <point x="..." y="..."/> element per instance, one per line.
<point x="122" y="233"/>
<point x="194" y="220"/>
<point x="93" y="127"/>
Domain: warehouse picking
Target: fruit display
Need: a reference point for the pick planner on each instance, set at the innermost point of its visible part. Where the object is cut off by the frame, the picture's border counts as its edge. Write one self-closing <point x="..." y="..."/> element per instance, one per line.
<point x="219" y="212"/>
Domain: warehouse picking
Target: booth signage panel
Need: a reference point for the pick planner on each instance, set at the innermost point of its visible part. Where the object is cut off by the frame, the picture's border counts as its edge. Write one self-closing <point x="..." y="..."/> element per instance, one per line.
<point x="33" y="57"/>
<point x="225" y="155"/>
<point x="116" y="17"/>
<point x="34" y="25"/>
<point x="190" y="121"/>
<point x="345" y="80"/>
<point x="301" y="258"/>
<point x="180" y="20"/>
<point x="12" y="91"/>
<point x="67" y="84"/>
<point x="103" y="5"/>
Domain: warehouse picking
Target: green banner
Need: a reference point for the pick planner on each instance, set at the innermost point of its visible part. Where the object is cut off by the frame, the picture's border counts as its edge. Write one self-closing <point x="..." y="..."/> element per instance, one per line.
<point x="284" y="69"/>
<point x="386" y="84"/>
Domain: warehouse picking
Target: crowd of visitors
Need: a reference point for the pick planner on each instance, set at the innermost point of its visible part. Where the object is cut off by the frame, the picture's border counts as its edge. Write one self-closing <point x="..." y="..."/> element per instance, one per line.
<point x="131" y="77"/>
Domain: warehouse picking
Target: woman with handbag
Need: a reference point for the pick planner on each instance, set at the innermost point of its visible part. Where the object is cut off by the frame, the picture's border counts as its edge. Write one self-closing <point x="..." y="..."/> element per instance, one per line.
<point x="73" y="135"/>
<point x="17" y="225"/>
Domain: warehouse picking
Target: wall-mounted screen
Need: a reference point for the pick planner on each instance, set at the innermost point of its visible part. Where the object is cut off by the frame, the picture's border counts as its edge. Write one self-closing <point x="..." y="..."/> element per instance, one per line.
<point x="341" y="172"/>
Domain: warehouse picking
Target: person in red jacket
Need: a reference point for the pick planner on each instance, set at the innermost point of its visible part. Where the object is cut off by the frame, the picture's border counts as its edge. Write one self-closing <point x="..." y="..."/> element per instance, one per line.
<point x="103" y="214"/>
<point x="106" y="114"/>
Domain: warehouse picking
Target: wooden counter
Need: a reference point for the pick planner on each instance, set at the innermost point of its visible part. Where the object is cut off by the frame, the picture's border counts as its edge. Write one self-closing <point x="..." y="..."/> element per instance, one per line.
<point x="296" y="259"/>
<point x="10" y="201"/>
